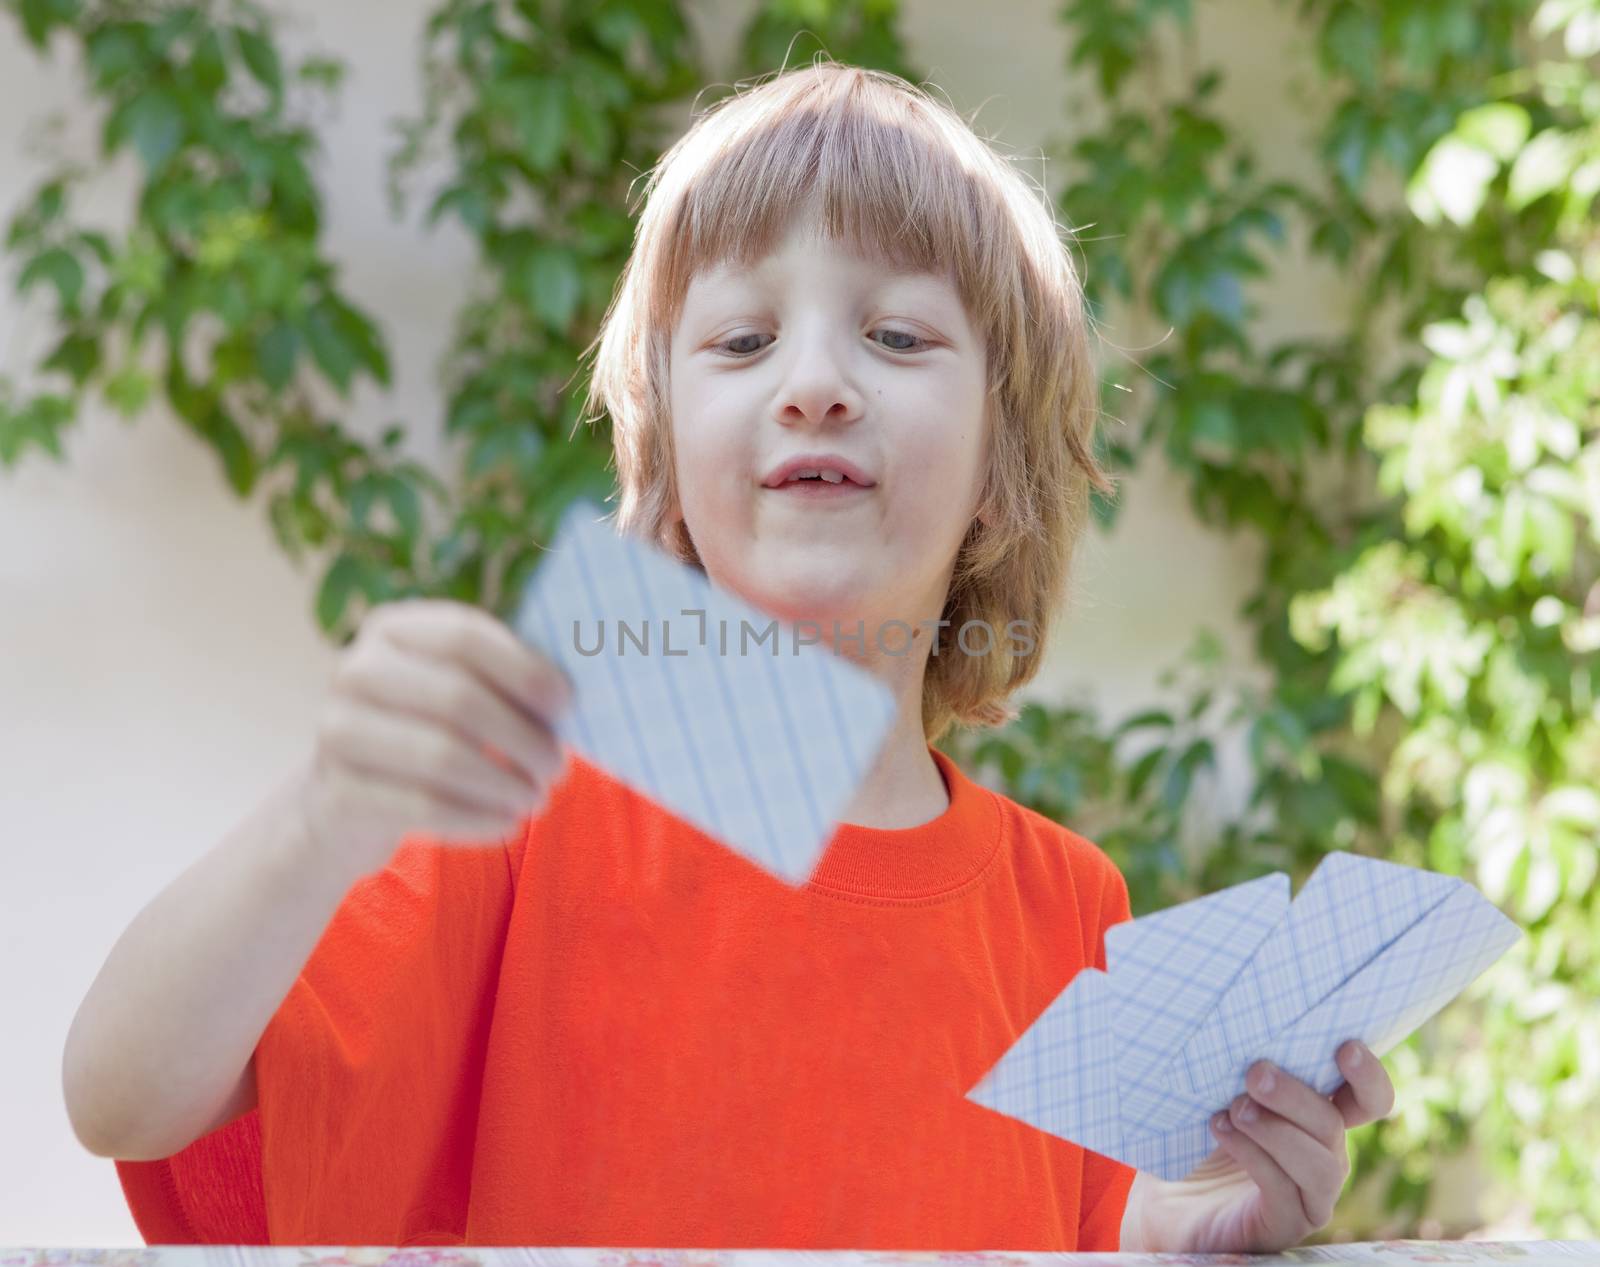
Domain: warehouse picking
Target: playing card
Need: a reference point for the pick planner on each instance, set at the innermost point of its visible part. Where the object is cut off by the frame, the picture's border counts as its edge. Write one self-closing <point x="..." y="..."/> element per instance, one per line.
<point x="750" y="729"/>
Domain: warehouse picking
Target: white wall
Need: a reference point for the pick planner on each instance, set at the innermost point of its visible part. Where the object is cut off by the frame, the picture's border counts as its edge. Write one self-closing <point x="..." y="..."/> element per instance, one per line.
<point x="161" y="666"/>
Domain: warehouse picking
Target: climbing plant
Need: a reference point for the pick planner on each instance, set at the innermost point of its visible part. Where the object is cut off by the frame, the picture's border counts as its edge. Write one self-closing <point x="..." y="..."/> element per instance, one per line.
<point x="1420" y="483"/>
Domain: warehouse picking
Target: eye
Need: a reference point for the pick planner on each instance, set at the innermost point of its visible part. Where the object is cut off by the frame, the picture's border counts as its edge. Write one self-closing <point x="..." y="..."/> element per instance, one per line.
<point x="728" y="343"/>
<point x="916" y="339"/>
<point x="917" y="342"/>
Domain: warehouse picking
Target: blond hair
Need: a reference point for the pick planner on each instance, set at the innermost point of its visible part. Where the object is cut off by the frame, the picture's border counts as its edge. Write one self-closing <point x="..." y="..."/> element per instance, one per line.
<point x="899" y="175"/>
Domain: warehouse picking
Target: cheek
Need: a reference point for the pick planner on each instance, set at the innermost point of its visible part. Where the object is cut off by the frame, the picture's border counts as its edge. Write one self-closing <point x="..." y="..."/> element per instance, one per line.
<point x="707" y="465"/>
<point x="715" y="443"/>
<point x="941" y="443"/>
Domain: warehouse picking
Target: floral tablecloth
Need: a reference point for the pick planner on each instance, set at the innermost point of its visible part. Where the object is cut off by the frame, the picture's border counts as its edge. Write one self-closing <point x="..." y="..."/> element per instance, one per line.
<point x="1395" y="1253"/>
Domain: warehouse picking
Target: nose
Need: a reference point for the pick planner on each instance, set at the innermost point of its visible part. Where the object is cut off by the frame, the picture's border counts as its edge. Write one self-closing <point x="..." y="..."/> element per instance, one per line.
<point x="817" y="389"/>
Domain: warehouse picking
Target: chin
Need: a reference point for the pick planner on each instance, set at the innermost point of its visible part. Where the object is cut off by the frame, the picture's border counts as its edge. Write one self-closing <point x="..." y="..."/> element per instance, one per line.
<point x="793" y="595"/>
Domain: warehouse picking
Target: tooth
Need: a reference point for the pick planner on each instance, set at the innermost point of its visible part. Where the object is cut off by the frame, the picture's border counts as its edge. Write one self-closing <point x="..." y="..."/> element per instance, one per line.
<point x="833" y="477"/>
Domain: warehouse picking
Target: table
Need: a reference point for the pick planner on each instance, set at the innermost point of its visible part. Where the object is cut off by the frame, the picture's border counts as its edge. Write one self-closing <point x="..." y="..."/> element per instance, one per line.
<point x="1393" y="1253"/>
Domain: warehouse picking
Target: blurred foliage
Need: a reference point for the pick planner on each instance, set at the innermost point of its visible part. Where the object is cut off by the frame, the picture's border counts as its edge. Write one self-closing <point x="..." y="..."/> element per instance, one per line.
<point x="1421" y="483"/>
<point x="218" y="303"/>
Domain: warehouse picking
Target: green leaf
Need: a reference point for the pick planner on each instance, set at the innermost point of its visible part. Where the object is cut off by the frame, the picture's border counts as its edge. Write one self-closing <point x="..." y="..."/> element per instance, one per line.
<point x="1142" y="769"/>
<point x="539" y="114"/>
<point x="326" y="73"/>
<point x="238" y="459"/>
<point x="1155" y="717"/>
<point x="617" y="27"/>
<point x="363" y="338"/>
<point x="203" y="413"/>
<point x="128" y="390"/>
<point x="153" y="121"/>
<point x="592" y="131"/>
<point x="1452" y="181"/>
<point x="261" y="60"/>
<point x="1499" y="128"/>
<point x="77" y="355"/>
<point x="208" y="65"/>
<point x="1546" y="163"/>
<point x="554" y="286"/>
<point x="469" y="202"/>
<point x="115" y="52"/>
<point x="514" y="445"/>
<point x="1210" y="423"/>
<point x="1352" y="43"/>
<point x="343" y="578"/>
<point x="40" y="17"/>
<point x="405" y="506"/>
<point x="179" y="21"/>
<point x="360" y="498"/>
<point x="329" y="346"/>
<point x="39" y="423"/>
<point x="28" y="225"/>
<point x="97" y="243"/>
<point x="1356" y="787"/>
<point x="472" y="409"/>
<point x="1263" y="220"/>
<point x="61" y="269"/>
<point x="281" y="512"/>
<point x="276" y="352"/>
<point x="1175" y="789"/>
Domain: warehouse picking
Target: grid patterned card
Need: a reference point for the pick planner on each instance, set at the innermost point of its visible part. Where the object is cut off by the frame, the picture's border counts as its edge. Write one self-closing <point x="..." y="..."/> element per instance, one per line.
<point x="1132" y="1062"/>
<point x="745" y="727"/>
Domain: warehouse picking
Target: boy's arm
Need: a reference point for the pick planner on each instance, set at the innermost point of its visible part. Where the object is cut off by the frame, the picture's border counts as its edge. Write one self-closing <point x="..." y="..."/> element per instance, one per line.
<point x="160" y="1051"/>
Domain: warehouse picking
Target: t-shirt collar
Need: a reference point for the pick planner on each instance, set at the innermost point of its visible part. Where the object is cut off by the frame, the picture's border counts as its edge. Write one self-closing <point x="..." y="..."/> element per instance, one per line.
<point x="930" y="860"/>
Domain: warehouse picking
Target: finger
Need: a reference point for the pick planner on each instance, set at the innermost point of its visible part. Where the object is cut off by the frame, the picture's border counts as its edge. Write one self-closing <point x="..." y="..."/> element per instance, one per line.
<point x="1293" y="1100"/>
<point x="441" y="691"/>
<point x="404" y="748"/>
<point x="1368" y="1091"/>
<point x="1317" y="1172"/>
<point x="526" y="678"/>
<point x="1283" y="1215"/>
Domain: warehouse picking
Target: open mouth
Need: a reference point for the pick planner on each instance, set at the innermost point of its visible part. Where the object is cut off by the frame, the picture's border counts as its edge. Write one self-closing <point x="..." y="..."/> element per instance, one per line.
<point x="820" y="488"/>
<point x="817" y="474"/>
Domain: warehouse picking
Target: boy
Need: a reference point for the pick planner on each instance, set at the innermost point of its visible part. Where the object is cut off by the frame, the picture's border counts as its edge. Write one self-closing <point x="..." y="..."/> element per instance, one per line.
<point x="848" y="369"/>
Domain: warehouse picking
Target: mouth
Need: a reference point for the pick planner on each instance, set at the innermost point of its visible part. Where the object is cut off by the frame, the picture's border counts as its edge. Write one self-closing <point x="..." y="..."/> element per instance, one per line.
<point x="818" y="474"/>
<point x="819" y="490"/>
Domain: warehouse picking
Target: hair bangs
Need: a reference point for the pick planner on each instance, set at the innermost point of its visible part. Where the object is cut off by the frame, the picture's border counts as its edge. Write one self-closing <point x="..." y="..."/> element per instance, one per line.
<point x="843" y="155"/>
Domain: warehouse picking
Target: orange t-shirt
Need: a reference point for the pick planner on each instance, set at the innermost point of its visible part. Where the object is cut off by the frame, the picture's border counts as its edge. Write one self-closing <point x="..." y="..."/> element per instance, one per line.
<point x="613" y="1030"/>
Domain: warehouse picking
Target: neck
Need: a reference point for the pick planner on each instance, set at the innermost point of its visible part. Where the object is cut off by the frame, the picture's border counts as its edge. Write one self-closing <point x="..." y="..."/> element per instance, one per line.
<point x="903" y="788"/>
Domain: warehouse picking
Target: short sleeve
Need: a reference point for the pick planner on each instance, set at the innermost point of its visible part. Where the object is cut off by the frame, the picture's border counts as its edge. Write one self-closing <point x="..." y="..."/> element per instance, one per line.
<point x="370" y="1072"/>
<point x="1106" y="1182"/>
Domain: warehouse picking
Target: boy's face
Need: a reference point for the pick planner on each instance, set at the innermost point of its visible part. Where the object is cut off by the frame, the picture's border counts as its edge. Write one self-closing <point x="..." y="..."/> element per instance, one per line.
<point x="815" y="351"/>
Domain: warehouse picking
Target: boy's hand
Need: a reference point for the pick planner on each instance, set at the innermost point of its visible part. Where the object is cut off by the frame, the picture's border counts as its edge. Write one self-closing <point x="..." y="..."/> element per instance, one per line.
<point x="1281" y="1165"/>
<point x="440" y="720"/>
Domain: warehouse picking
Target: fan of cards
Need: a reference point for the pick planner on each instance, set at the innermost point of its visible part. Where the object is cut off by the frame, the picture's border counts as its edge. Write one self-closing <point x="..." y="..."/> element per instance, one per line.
<point x="1132" y="1062"/>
